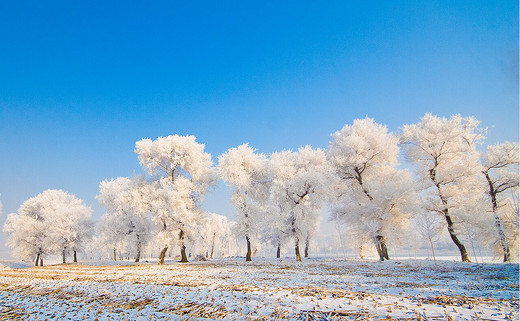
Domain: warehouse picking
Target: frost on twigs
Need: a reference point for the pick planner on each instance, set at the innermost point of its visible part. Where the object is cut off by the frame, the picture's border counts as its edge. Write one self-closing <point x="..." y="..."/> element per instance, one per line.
<point x="372" y="197"/>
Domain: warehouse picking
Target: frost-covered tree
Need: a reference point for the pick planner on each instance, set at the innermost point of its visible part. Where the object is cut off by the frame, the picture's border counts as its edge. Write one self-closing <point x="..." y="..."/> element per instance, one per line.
<point x="429" y="225"/>
<point x="183" y="173"/>
<point x="372" y="195"/>
<point x="500" y="168"/>
<point x="443" y="151"/>
<point x="214" y="238"/>
<point x="50" y="223"/>
<point x="246" y="172"/>
<point x="126" y="222"/>
<point x="299" y="189"/>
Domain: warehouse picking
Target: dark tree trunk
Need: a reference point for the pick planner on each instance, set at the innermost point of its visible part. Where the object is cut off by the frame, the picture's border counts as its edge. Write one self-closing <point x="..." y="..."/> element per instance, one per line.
<point x="278" y="250"/>
<point x="463" y="253"/>
<point x="63" y="256"/>
<point x="37" y="259"/>
<point x="138" y="254"/>
<point x="248" y="254"/>
<point x="382" y="250"/>
<point x="306" y="251"/>
<point x="41" y="260"/>
<point x="162" y="255"/>
<point x="297" y="251"/>
<point x="75" y="257"/>
<point x="184" y="258"/>
<point x="115" y="255"/>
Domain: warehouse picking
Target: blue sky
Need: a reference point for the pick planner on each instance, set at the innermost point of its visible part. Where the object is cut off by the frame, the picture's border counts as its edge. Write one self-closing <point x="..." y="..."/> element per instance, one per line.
<point x="81" y="82"/>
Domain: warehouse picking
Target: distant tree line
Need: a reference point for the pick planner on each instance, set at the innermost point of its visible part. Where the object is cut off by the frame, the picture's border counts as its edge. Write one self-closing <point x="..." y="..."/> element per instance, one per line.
<point x="448" y="186"/>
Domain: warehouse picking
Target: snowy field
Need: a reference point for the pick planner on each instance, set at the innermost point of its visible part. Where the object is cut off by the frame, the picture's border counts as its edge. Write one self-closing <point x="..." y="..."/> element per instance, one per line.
<point x="316" y="289"/>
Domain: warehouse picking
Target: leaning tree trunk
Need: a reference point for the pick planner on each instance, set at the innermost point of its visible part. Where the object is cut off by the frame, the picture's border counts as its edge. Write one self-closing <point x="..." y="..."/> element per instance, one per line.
<point x="37" y="259"/>
<point x="162" y="255"/>
<point x="498" y="220"/>
<point x="248" y="254"/>
<point x="451" y="230"/>
<point x="297" y="250"/>
<point x="75" y="257"/>
<point x="463" y="253"/>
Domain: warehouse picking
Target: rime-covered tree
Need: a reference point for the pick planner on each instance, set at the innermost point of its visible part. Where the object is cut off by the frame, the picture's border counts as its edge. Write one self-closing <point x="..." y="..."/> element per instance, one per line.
<point x="50" y="223"/>
<point x="500" y="168"/>
<point x="299" y="189"/>
<point x="183" y="172"/>
<point x="246" y="172"/>
<point x="372" y="195"/>
<point x="214" y="238"/>
<point x="429" y="226"/>
<point x="443" y="151"/>
<point x="126" y="222"/>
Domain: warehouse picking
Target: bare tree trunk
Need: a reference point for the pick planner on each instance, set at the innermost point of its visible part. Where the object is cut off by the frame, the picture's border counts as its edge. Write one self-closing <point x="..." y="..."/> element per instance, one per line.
<point x="63" y="255"/>
<point x="498" y="221"/>
<point x="463" y="253"/>
<point x="115" y="255"/>
<point x="41" y="260"/>
<point x="433" y="251"/>
<point x="75" y="257"/>
<point x="502" y="236"/>
<point x="278" y="250"/>
<point x="162" y="255"/>
<point x="37" y="259"/>
<point x="297" y="251"/>
<point x="248" y="254"/>
<point x="382" y="250"/>
<point x="184" y="258"/>
<point x="138" y="254"/>
<point x="213" y="245"/>
<point x="306" y="251"/>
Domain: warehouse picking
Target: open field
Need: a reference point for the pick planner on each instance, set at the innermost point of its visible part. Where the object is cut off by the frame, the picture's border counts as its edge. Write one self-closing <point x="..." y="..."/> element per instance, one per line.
<point x="316" y="289"/>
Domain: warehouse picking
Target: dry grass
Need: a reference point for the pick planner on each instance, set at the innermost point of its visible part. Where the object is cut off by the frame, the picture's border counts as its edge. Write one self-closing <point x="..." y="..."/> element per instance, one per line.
<point x="261" y="291"/>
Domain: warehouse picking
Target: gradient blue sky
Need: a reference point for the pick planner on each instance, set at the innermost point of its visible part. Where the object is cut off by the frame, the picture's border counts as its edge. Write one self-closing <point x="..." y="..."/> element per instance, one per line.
<point x="82" y="81"/>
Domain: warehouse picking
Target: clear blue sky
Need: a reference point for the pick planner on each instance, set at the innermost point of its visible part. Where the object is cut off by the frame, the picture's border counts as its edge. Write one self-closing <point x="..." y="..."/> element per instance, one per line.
<point x="81" y="81"/>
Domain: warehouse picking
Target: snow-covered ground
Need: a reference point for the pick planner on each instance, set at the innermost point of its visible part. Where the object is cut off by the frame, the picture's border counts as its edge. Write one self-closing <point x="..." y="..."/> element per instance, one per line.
<point x="316" y="289"/>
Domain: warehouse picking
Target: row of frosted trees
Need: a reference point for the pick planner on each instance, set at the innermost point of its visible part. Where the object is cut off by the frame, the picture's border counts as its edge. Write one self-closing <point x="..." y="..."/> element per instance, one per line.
<point x="279" y="197"/>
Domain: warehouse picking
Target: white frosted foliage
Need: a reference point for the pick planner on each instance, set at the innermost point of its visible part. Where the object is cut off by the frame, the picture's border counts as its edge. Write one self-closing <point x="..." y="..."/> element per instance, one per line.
<point x="373" y="198"/>
<point x="182" y="174"/>
<point x="246" y="172"/>
<point x="53" y="222"/>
